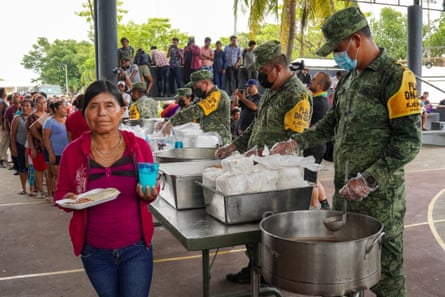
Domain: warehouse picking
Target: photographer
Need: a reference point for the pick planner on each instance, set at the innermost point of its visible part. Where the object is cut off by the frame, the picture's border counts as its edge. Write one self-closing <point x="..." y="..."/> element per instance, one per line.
<point x="247" y="100"/>
<point x="128" y="72"/>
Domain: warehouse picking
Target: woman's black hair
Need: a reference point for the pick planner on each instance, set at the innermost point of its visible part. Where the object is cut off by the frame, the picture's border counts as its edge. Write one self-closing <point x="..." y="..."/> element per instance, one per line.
<point x="53" y="105"/>
<point x="78" y="102"/>
<point x="99" y="87"/>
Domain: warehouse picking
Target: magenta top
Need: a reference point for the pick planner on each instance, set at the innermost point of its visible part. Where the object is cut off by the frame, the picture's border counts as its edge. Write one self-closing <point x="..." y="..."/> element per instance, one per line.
<point x="115" y="224"/>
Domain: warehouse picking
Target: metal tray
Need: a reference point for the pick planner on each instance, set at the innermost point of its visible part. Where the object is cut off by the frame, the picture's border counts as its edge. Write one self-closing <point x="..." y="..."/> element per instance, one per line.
<point x="178" y="185"/>
<point x="243" y="208"/>
<point x="185" y="154"/>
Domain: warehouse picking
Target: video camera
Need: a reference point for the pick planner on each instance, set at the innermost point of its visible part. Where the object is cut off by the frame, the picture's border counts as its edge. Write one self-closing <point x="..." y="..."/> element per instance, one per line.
<point x="297" y="66"/>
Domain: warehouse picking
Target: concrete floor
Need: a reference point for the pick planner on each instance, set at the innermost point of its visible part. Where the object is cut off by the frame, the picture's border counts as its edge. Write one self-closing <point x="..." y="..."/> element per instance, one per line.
<point x="36" y="257"/>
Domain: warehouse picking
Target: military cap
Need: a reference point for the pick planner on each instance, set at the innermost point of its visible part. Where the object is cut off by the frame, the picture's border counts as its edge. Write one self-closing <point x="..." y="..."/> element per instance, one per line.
<point x="181" y="92"/>
<point x="339" y="26"/>
<point x="139" y="86"/>
<point x="197" y="76"/>
<point x="265" y="52"/>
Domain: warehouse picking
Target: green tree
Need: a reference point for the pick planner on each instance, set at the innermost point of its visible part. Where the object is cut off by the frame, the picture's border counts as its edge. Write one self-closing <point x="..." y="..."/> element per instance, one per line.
<point x="308" y="12"/>
<point x="48" y="61"/>
<point x="437" y="40"/>
<point x="390" y="32"/>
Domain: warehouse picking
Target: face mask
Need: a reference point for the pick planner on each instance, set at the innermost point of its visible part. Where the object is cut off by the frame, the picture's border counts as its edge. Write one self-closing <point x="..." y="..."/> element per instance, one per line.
<point x="199" y="93"/>
<point x="181" y="102"/>
<point x="262" y="79"/>
<point x="344" y="61"/>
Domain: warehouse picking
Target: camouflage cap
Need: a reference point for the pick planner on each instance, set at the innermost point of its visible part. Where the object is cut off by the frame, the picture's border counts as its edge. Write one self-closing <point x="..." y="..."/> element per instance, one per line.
<point x="197" y="76"/>
<point x="339" y="26"/>
<point x="181" y="92"/>
<point x="139" y="86"/>
<point x="265" y="52"/>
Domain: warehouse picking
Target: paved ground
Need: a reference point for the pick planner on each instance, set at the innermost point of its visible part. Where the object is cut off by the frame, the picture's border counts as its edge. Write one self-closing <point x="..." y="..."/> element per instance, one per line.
<point x="36" y="257"/>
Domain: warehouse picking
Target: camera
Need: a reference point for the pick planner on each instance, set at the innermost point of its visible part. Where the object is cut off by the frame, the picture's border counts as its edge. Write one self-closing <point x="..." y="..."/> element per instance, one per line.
<point x="297" y="66"/>
<point x="117" y="70"/>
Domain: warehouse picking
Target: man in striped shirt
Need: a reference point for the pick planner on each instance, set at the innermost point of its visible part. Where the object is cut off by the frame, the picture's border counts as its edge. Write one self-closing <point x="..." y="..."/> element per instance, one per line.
<point x="162" y="65"/>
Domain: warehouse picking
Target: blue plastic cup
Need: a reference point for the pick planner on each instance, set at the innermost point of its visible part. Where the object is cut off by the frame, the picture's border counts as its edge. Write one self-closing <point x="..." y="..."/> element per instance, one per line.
<point x="148" y="173"/>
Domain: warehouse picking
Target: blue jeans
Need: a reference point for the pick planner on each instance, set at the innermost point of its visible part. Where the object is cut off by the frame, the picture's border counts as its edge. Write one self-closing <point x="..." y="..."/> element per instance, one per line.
<point x="124" y="272"/>
<point x="218" y="79"/>
<point x="175" y="78"/>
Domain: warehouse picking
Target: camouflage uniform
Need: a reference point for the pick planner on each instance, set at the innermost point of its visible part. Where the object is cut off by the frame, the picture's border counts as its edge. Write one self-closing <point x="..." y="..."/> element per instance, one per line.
<point x="270" y="124"/>
<point x="375" y="124"/>
<point x="281" y="112"/>
<point x="144" y="107"/>
<point x="211" y="112"/>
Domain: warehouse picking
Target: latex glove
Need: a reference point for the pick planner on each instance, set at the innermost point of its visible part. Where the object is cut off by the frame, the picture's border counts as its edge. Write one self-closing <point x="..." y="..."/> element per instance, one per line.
<point x="225" y="151"/>
<point x="356" y="189"/>
<point x="285" y="147"/>
<point x="254" y="152"/>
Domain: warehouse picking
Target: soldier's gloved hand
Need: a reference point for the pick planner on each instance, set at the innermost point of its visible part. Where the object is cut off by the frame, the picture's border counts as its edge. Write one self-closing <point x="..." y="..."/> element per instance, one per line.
<point x="225" y="151"/>
<point x="284" y="147"/>
<point x="357" y="188"/>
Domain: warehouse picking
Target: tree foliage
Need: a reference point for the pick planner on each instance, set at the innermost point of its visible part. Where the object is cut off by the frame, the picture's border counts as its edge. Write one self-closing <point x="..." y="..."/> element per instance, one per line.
<point x="390" y="32"/>
<point x="437" y="39"/>
<point x="48" y="60"/>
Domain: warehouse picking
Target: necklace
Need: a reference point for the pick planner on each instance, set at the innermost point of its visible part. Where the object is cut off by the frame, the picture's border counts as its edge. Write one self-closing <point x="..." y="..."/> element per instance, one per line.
<point x="113" y="151"/>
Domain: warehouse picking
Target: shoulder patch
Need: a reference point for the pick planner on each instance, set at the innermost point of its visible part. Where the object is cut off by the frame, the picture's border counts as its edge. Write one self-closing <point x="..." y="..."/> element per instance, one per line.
<point x="133" y="112"/>
<point x="405" y="101"/>
<point x="298" y="117"/>
<point x="210" y="103"/>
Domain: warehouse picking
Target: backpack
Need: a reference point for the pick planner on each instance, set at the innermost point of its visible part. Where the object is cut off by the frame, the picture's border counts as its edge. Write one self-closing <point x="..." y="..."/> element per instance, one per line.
<point x="142" y="58"/>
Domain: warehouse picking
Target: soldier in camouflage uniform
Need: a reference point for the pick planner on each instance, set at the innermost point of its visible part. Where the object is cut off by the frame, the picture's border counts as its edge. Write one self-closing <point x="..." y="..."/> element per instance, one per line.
<point x="142" y="106"/>
<point x="212" y="111"/>
<point x="285" y="108"/>
<point x="375" y="122"/>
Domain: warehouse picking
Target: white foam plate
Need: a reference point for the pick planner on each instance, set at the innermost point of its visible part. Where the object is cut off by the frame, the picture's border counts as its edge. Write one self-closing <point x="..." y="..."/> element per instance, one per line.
<point x="112" y="194"/>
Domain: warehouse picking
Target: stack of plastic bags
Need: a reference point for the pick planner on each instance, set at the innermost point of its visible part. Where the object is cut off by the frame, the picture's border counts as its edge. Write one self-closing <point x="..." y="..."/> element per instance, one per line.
<point x="240" y="174"/>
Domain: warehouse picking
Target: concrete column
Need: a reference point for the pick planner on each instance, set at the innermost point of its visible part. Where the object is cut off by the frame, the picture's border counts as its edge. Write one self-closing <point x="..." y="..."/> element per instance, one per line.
<point x="415" y="54"/>
<point x="106" y="38"/>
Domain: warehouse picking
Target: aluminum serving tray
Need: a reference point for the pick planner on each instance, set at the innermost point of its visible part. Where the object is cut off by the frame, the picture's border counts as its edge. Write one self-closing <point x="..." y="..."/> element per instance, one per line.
<point x="243" y="208"/>
<point x="178" y="185"/>
<point x="185" y="154"/>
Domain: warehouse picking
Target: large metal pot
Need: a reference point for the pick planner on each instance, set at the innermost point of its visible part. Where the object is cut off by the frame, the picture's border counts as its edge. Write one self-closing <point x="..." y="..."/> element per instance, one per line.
<point x="299" y="254"/>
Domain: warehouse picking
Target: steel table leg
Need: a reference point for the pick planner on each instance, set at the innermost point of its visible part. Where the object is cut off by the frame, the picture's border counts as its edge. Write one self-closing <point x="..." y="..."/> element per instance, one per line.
<point x="205" y="273"/>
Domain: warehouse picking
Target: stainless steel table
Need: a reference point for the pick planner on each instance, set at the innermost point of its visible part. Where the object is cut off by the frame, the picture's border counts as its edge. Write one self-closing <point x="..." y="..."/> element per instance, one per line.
<point x="198" y="231"/>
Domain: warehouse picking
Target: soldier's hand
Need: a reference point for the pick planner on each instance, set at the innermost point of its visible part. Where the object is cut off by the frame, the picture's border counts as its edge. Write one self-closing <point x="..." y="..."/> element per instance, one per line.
<point x="225" y="151"/>
<point x="285" y="147"/>
<point x="356" y="189"/>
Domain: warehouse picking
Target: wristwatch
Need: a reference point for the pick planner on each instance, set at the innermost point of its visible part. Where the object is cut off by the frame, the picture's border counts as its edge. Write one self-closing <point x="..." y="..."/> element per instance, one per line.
<point x="370" y="180"/>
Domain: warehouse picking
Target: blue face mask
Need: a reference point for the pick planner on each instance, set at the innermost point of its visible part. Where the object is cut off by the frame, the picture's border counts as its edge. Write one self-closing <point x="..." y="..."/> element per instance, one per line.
<point x="344" y="61"/>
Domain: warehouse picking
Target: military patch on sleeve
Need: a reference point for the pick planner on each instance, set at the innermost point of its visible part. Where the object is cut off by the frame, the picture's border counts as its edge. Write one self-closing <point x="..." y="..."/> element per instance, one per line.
<point x="298" y="118"/>
<point x="211" y="103"/>
<point x="133" y="112"/>
<point x="405" y="101"/>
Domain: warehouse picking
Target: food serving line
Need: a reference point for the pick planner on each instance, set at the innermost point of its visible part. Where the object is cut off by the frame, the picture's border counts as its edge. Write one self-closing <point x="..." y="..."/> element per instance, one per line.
<point x="298" y="252"/>
<point x="294" y="250"/>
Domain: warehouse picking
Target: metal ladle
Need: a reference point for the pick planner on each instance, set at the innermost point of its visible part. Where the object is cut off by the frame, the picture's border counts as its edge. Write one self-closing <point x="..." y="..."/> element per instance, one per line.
<point x="335" y="223"/>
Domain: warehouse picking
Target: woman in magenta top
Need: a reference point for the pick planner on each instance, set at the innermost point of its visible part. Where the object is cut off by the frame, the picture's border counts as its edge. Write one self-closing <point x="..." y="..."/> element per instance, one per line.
<point x="113" y="238"/>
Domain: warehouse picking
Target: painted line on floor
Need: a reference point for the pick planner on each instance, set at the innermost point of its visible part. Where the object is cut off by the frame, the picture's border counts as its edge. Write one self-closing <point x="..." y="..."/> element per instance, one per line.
<point x="431" y="221"/>
<point x="162" y="260"/>
<point x="23" y="203"/>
